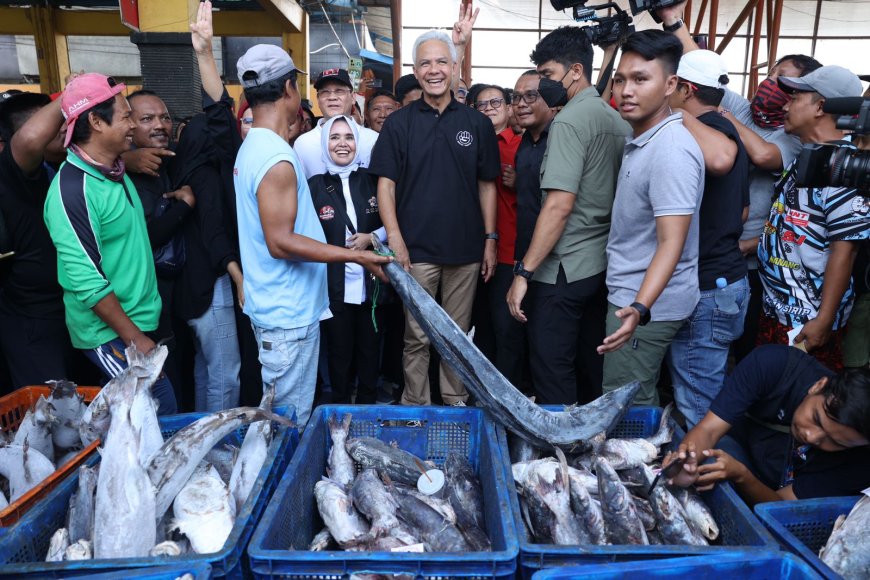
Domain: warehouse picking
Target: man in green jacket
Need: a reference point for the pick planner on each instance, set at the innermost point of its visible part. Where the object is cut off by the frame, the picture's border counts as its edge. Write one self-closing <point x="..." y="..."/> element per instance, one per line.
<point x="97" y="224"/>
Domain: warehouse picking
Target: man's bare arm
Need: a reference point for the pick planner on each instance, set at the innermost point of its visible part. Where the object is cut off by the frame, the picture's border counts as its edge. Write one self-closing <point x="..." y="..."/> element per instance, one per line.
<point x="719" y="151"/>
<point x="201" y="34"/>
<point x="387" y="211"/>
<point x="110" y="311"/>
<point x="29" y="142"/>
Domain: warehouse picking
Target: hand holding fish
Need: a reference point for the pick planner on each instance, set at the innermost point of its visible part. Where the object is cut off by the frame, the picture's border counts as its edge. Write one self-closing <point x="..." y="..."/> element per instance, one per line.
<point x="725" y="468"/>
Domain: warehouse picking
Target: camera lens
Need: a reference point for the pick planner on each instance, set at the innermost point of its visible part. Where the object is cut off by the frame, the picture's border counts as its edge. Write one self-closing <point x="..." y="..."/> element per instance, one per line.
<point x="850" y="168"/>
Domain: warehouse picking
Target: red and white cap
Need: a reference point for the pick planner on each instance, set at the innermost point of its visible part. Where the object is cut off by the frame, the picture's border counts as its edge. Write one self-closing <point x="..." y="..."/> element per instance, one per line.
<point x="85" y="92"/>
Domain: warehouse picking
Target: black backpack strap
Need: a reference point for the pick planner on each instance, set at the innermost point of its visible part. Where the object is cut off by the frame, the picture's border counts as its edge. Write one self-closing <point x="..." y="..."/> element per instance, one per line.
<point x="339" y="207"/>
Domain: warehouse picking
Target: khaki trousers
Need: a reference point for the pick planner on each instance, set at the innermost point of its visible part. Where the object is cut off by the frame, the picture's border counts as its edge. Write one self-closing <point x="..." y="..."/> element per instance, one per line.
<point x="458" y="284"/>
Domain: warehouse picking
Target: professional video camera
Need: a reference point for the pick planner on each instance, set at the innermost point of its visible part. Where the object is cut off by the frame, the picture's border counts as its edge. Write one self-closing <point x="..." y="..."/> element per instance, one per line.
<point x="838" y="165"/>
<point x="637" y="6"/>
<point x="607" y="30"/>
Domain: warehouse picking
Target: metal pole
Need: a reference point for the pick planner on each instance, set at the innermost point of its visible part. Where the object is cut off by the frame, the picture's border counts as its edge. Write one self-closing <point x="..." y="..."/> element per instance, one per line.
<point x="396" y="26"/>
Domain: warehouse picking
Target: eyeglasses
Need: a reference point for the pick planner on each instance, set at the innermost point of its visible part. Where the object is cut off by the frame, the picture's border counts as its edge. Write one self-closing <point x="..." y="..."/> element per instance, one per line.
<point x="330" y="92"/>
<point x="494" y="103"/>
<point x="247" y="120"/>
<point x="461" y="92"/>
<point x="529" y="97"/>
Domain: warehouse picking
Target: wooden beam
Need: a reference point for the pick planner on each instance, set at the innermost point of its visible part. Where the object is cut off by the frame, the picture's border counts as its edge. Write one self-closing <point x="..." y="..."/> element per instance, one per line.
<point x="741" y="18"/>
<point x="396" y="27"/>
<point x="108" y="23"/>
<point x="288" y="11"/>
<point x="15" y="21"/>
<point x="756" y="45"/>
<point x="687" y="14"/>
<point x="465" y="72"/>
<point x="52" y="56"/>
<point x="701" y="11"/>
<point x="166" y="15"/>
<point x="714" y="24"/>
<point x="774" y="32"/>
<point x="297" y="44"/>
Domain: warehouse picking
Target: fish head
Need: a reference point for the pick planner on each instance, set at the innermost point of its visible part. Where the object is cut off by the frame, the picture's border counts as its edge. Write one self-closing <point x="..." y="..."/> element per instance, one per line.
<point x="63" y="389"/>
<point x="43" y="411"/>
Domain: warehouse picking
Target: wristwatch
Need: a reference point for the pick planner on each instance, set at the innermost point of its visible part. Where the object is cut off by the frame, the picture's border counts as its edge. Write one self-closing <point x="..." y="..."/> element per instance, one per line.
<point x="520" y="270"/>
<point x="491" y="236"/>
<point x="673" y="27"/>
<point x="643" y="310"/>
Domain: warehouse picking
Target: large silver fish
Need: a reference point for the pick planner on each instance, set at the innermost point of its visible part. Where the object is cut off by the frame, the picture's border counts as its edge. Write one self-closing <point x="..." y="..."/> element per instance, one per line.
<point x="397" y="464"/>
<point x="24" y="468"/>
<point x="252" y="454"/>
<point x="504" y="403"/>
<point x="124" y="521"/>
<point x="80" y="519"/>
<point x="57" y="545"/>
<point x="437" y="533"/>
<point x="81" y="550"/>
<point x="35" y="429"/>
<point x="622" y="522"/>
<point x="372" y="499"/>
<point x="174" y="463"/>
<point x="588" y="511"/>
<point x="670" y="517"/>
<point x="68" y="407"/>
<point x="339" y="464"/>
<point x="204" y="510"/>
<point x="697" y="513"/>
<point x="847" y="550"/>
<point x="345" y="524"/>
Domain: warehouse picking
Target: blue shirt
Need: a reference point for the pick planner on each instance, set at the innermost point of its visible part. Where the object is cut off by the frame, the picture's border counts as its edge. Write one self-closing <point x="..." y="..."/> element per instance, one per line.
<point x="279" y="293"/>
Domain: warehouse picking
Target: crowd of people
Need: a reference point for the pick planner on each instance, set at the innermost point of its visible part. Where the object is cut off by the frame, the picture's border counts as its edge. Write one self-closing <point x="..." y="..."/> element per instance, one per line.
<point x="588" y="241"/>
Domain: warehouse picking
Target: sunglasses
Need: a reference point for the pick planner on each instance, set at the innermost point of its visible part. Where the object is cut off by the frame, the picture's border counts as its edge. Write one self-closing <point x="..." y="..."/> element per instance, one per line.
<point x="529" y="97"/>
<point x="494" y="103"/>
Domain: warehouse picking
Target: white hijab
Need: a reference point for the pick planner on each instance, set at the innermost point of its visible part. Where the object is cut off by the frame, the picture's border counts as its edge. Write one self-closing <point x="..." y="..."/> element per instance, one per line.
<point x="331" y="167"/>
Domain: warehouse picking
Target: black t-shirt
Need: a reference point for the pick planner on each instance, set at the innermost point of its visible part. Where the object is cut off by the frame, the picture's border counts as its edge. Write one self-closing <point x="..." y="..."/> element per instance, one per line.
<point x="722" y="206"/>
<point x="769" y="385"/>
<point x="530" y="156"/>
<point x="436" y="160"/>
<point x="28" y="280"/>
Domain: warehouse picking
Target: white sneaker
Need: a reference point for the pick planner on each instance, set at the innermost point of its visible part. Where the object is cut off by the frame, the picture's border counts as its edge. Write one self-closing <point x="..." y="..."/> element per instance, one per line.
<point x="458" y="404"/>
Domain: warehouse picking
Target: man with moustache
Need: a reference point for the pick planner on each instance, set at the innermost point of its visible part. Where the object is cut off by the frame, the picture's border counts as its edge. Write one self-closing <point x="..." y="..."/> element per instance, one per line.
<point x="652" y="250"/>
<point x="437" y="200"/>
<point x="96" y="222"/>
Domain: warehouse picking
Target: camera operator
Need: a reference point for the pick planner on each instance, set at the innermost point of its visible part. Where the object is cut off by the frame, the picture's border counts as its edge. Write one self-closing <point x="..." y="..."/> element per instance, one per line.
<point x="808" y="246"/>
<point x="759" y="122"/>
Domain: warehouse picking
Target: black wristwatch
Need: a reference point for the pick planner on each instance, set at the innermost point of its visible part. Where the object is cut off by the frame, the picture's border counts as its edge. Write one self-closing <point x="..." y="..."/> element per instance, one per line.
<point x="491" y="236"/>
<point x="520" y="270"/>
<point x="643" y="310"/>
<point x="673" y="27"/>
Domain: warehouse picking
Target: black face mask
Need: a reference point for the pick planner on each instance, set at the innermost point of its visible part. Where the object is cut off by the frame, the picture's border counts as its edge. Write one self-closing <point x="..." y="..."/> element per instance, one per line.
<point x="553" y="92"/>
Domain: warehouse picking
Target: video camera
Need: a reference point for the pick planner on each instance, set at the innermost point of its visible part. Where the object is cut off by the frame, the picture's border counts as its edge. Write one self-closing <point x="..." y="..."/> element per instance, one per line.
<point x="637" y="6"/>
<point x="607" y="30"/>
<point x="838" y="165"/>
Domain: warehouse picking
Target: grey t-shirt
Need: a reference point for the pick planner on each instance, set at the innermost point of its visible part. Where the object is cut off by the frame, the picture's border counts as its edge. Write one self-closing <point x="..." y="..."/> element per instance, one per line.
<point x="662" y="174"/>
<point x="761" y="181"/>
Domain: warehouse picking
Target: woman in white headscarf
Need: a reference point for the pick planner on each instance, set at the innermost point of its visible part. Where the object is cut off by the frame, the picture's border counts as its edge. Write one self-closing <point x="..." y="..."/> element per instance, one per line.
<point x="346" y="200"/>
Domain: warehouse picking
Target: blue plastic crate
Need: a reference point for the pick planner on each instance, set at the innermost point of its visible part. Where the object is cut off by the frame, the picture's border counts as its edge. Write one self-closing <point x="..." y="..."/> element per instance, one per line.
<point x="279" y="547"/>
<point x="803" y="526"/>
<point x="740" y="531"/>
<point x="752" y="567"/>
<point x="23" y="548"/>
<point x="201" y="571"/>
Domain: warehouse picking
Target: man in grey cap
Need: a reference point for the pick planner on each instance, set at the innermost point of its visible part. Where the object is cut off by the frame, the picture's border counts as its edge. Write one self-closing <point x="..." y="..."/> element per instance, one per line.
<point x="282" y="245"/>
<point x="809" y="243"/>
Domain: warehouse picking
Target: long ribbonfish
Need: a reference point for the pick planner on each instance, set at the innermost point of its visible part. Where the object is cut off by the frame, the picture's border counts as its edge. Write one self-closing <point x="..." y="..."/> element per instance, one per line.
<point x="339" y="464"/>
<point x="252" y="454"/>
<point x="204" y="510"/>
<point x="847" y="550"/>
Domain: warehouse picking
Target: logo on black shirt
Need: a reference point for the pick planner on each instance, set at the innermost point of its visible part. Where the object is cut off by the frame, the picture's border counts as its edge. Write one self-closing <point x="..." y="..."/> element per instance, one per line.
<point x="464" y="138"/>
<point x="326" y="213"/>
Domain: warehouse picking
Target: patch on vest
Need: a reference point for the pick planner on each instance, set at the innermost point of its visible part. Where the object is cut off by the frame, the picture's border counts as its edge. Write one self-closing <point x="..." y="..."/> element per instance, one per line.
<point x="326" y="213"/>
<point x="464" y="138"/>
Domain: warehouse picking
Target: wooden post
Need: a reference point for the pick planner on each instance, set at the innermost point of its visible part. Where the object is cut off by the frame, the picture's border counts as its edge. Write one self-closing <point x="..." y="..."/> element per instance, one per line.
<point x="396" y="25"/>
<point x="774" y="33"/>
<point x="741" y="18"/>
<point x="52" y="56"/>
<point x="756" y="42"/>
<point x="465" y="73"/>
<point x="700" y="20"/>
<point x="714" y="22"/>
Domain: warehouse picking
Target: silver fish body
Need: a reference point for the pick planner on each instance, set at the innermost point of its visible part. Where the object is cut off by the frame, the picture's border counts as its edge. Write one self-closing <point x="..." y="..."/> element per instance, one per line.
<point x="24" y="468"/>
<point x="546" y="467"/>
<point x="80" y="550"/>
<point x="340" y="465"/>
<point x="68" y="407"/>
<point x="373" y="500"/>
<point x="521" y="450"/>
<point x="252" y="454"/>
<point x="223" y="458"/>
<point x="3" y="501"/>
<point x="400" y="466"/>
<point x="556" y="495"/>
<point x="645" y="512"/>
<point x="204" y="511"/>
<point x="322" y="541"/>
<point x="588" y="511"/>
<point x="35" y="429"/>
<point x="622" y="522"/>
<point x="847" y="550"/>
<point x="170" y="548"/>
<point x="665" y="432"/>
<point x="442" y="506"/>
<point x="82" y="506"/>
<point x="670" y="521"/>
<point x="627" y="453"/>
<point x="697" y="514"/>
<point x="57" y="545"/>
<point x="463" y="490"/>
<point x="439" y="534"/>
<point x="344" y="522"/>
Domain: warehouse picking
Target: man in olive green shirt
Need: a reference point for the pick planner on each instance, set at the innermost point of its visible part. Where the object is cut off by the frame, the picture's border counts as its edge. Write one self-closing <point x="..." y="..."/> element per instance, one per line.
<point x="566" y="260"/>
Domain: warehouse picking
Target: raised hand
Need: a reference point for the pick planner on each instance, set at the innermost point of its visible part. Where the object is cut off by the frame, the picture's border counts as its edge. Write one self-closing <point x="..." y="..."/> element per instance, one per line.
<point x="462" y="28"/>
<point x="202" y="30"/>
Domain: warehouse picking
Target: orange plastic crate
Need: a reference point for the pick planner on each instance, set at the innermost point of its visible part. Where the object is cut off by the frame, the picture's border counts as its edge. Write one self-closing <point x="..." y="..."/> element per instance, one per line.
<point x="13" y="408"/>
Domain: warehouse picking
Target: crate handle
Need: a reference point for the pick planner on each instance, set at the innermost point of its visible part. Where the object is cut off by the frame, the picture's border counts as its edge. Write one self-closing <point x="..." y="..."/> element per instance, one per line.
<point x="404" y="423"/>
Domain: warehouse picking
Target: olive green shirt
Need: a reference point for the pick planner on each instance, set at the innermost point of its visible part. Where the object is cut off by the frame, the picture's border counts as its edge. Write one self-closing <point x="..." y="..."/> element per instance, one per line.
<point x="584" y="153"/>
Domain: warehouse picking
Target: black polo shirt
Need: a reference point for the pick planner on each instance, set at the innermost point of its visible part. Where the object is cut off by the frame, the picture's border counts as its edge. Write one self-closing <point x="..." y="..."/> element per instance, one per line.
<point x="436" y="160"/>
<point x="721" y="224"/>
<point x="530" y="156"/>
<point x="28" y="280"/>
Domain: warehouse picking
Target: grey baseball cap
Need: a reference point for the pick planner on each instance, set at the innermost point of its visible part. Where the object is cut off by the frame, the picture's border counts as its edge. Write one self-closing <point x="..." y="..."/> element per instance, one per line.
<point x="267" y="61"/>
<point x="830" y="81"/>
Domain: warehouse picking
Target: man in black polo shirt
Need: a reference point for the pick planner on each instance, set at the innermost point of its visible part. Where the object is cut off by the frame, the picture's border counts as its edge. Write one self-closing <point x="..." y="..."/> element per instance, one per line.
<point x="802" y="432"/>
<point x="437" y="161"/>
<point x="33" y="334"/>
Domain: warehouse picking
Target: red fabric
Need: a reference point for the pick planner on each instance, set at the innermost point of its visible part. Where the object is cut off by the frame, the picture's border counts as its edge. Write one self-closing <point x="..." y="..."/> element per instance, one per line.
<point x="771" y="331"/>
<point x="506" y="213"/>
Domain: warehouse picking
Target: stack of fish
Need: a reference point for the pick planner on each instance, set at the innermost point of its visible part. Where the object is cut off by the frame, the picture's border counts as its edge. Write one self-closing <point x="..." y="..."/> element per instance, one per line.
<point x="847" y="551"/>
<point x="381" y="509"/>
<point x="604" y="496"/>
<point x="150" y="497"/>
<point x="47" y="438"/>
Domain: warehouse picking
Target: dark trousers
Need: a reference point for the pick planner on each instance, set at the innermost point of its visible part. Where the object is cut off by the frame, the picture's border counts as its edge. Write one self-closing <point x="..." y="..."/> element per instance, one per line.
<point x="353" y="343"/>
<point x="744" y="345"/>
<point x="510" y="334"/>
<point x="565" y="326"/>
<point x="35" y="349"/>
